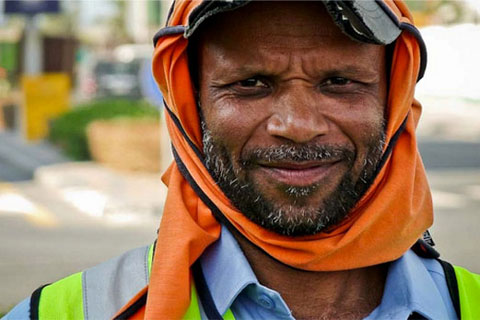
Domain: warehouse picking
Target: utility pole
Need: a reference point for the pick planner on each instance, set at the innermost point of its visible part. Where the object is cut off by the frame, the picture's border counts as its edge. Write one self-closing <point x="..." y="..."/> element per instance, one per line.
<point x="33" y="50"/>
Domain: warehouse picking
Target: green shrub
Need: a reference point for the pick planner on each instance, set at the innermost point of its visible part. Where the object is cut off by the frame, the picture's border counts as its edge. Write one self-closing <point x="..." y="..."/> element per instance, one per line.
<point x="69" y="130"/>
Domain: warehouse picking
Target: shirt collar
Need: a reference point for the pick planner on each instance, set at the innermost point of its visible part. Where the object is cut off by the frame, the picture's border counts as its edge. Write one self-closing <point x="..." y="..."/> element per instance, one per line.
<point x="409" y="288"/>
<point x="226" y="270"/>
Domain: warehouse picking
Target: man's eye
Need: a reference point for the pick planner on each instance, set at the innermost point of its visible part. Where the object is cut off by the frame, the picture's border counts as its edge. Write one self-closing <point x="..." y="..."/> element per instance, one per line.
<point x="252" y="83"/>
<point x="337" y="81"/>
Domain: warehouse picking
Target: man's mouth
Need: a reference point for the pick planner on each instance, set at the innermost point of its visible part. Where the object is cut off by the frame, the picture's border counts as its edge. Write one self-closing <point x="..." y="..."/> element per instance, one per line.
<point x="299" y="174"/>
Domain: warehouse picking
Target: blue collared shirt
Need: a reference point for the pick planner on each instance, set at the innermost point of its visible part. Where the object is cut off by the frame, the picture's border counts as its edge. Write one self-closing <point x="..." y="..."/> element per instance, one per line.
<point x="413" y="285"/>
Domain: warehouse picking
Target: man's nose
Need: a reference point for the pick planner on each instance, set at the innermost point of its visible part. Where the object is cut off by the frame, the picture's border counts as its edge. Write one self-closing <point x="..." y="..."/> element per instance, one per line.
<point x="298" y="117"/>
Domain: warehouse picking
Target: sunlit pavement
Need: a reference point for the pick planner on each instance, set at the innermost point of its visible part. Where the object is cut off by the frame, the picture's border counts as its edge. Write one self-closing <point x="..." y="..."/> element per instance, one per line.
<point x="14" y="203"/>
<point x="57" y="225"/>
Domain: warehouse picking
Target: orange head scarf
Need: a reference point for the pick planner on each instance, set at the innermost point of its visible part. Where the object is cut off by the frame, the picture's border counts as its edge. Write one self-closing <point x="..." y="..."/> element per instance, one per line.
<point x="386" y="222"/>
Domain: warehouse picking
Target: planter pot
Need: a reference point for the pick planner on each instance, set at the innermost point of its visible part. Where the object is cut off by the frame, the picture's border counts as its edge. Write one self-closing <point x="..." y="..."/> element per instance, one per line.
<point x="127" y="144"/>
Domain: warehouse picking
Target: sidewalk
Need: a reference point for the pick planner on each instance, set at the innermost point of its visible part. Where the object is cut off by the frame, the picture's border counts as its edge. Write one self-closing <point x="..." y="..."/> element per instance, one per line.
<point x="71" y="216"/>
<point x="102" y="192"/>
<point x="19" y="158"/>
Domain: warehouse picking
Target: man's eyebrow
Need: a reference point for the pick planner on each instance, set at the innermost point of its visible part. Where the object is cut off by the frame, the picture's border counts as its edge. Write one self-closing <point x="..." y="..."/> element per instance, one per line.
<point x="252" y="69"/>
<point x="226" y="73"/>
<point x="248" y="68"/>
<point x="353" y="71"/>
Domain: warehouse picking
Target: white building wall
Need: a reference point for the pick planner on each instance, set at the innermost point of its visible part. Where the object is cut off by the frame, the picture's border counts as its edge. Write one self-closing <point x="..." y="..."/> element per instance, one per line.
<point x="136" y="19"/>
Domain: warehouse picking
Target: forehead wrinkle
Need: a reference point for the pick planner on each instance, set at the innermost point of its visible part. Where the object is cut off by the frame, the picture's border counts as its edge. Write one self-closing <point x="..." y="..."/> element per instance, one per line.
<point x="274" y="48"/>
<point x="311" y="62"/>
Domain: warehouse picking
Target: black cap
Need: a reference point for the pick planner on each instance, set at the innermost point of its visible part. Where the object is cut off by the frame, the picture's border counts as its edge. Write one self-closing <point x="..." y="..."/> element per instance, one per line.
<point x="369" y="21"/>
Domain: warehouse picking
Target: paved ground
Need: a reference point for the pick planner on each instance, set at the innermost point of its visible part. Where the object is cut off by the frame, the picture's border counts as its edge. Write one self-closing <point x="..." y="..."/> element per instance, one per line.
<point x="34" y="253"/>
<point x="19" y="158"/>
<point x="456" y="198"/>
<point x="444" y="155"/>
<point x="46" y="234"/>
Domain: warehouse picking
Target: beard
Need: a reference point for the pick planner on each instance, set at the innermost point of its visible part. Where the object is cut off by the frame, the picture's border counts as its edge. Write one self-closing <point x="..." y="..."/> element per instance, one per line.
<point x="294" y="218"/>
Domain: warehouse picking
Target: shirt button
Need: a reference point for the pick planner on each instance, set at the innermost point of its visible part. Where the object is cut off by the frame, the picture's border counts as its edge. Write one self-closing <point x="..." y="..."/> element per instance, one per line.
<point x="266" y="302"/>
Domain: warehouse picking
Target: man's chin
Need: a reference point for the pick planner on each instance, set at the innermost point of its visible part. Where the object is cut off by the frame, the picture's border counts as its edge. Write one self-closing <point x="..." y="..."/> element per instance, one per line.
<point x="301" y="214"/>
<point x="293" y="220"/>
<point x="296" y="196"/>
<point x="293" y="210"/>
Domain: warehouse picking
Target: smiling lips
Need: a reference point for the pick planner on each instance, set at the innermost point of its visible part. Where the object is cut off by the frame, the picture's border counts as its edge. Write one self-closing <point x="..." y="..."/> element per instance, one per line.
<point x="299" y="173"/>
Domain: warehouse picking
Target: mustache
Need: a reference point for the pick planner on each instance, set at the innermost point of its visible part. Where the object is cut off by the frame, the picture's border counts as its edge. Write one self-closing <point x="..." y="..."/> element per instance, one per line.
<point x="297" y="153"/>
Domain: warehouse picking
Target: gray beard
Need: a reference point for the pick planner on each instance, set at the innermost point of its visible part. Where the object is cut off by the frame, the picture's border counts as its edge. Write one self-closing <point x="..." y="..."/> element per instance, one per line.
<point x="295" y="218"/>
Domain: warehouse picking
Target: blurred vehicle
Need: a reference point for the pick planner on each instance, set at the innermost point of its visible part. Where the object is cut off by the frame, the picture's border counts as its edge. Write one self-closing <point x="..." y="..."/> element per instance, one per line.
<point x="124" y="72"/>
<point x="117" y="79"/>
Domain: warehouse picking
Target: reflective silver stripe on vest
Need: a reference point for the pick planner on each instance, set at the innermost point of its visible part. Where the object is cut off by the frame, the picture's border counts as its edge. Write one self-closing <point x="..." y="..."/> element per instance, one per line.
<point x="110" y="285"/>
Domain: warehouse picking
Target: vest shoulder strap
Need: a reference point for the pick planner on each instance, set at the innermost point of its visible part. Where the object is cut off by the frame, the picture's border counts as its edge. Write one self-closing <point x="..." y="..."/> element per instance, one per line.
<point x="51" y="301"/>
<point x="464" y="288"/>
<point x="200" y="299"/>
<point x="452" y="284"/>
<point x="96" y="293"/>
<point x="469" y="292"/>
<point x="463" y="285"/>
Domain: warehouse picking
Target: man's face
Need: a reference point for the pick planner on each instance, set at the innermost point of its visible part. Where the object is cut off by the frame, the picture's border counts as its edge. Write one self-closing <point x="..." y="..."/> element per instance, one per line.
<point x="293" y="114"/>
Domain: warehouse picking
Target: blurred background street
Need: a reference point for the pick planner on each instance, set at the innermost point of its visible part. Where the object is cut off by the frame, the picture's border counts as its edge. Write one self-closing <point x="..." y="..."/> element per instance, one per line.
<point x="83" y="142"/>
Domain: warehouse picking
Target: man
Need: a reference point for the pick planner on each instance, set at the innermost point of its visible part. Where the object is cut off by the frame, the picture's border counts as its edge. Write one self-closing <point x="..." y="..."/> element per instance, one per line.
<point x="297" y="188"/>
